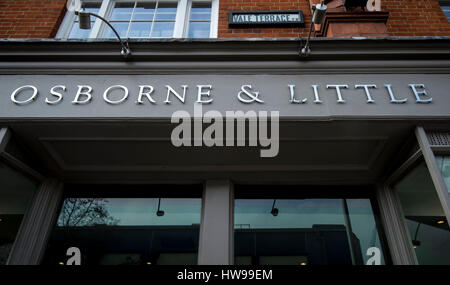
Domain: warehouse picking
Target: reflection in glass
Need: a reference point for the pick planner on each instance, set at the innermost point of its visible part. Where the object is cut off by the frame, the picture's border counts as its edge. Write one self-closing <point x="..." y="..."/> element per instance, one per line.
<point x="444" y="164"/>
<point x="140" y="29"/>
<point x="200" y="20"/>
<point x="127" y="231"/>
<point x="144" y="12"/>
<point x="304" y="231"/>
<point x="16" y="192"/>
<point x="121" y="28"/>
<point x="199" y="30"/>
<point x="425" y="218"/>
<point x="163" y="29"/>
<point x="166" y="11"/>
<point x="143" y="19"/>
<point x="122" y="11"/>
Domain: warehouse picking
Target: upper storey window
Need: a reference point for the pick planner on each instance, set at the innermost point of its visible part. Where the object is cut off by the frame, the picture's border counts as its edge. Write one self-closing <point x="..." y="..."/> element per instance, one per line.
<point x="445" y="6"/>
<point x="146" y="19"/>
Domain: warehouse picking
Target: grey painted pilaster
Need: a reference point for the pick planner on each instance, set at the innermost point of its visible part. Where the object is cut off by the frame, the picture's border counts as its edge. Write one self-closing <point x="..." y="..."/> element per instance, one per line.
<point x="31" y="240"/>
<point x="216" y="230"/>
<point x="396" y="233"/>
<point x="434" y="170"/>
<point x="5" y="135"/>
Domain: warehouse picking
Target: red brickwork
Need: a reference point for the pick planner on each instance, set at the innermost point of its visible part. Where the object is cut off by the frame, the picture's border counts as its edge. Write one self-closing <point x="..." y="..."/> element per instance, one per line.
<point x="41" y="19"/>
<point x="30" y="18"/>
<point x="415" y="18"/>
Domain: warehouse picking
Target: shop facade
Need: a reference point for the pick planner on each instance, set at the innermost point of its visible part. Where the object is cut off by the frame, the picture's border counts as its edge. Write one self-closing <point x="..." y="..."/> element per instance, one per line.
<point x="359" y="173"/>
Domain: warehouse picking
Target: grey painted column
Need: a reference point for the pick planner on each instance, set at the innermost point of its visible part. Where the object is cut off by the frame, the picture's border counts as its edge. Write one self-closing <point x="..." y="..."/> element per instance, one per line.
<point x="216" y="230"/>
<point x="394" y="227"/>
<point x="31" y="240"/>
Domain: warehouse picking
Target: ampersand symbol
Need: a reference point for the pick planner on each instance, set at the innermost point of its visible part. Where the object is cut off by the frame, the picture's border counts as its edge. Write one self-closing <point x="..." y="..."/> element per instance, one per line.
<point x="251" y="97"/>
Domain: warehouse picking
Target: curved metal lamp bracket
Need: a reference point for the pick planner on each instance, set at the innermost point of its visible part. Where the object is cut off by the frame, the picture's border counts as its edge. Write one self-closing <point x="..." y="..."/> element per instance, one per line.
<point x="85" y="24"/>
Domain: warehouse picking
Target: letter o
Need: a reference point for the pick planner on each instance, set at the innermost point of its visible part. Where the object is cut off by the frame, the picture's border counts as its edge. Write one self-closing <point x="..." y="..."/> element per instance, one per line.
<point x="105" y="94"/>
<point x="18" y="90"/>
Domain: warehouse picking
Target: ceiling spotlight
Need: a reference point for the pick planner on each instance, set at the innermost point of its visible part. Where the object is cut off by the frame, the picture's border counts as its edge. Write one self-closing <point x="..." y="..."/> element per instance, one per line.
<point x="149" y="263"/>
<point x="441" y="222"/>
<point x="303" y="263"/>
<point x="416" y="243"/>
<point x="159" y="212"/>
<point x="61" y="263"/>
<point x="274" y="210"/>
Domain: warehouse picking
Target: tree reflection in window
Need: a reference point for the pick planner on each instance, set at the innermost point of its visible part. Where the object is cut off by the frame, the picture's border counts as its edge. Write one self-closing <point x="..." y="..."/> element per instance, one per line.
<point x="77" y="212"/>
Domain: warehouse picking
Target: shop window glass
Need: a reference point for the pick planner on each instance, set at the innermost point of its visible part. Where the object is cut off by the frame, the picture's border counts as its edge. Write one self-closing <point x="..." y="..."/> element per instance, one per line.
<point x="444" y="165"/>
<point x="428" y="228"/>
<point x="127" y="231"/>
<point x="16" y="193"/>
<point x="305" y="231"/>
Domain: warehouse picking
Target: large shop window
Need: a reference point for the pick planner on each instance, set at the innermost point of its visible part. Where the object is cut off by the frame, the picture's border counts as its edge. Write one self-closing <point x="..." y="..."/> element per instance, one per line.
<point x="146" y="19"/>
<point x="428" y="228"/>
<point x="143" y="226"/>
<point x="16" y="193"/>
<point x="305" y="228"/>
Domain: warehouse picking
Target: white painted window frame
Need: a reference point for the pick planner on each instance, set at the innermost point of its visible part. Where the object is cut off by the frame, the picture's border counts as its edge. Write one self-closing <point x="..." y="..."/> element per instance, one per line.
<point x="181" y="20"/>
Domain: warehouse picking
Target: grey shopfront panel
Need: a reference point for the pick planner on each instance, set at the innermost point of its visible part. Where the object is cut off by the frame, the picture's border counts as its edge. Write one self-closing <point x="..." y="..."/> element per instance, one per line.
<point x="367" y="96"/>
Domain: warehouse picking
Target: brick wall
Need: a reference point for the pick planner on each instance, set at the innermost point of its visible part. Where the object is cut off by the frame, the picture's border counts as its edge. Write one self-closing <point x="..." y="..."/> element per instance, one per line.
<point x="41" y="18"/>
<point x="415" y="18"/>
<point x="30" y="18"/>
<point x="406" y="18"/>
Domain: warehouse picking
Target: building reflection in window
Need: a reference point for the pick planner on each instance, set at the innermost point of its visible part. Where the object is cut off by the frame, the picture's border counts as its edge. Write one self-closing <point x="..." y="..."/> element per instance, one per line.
<point x="308" y="231"/>
<point x="428" y="227"/>
<point x="16" y="193"/>
<point x="444" y="164"/>
<point x="127" y="231"/>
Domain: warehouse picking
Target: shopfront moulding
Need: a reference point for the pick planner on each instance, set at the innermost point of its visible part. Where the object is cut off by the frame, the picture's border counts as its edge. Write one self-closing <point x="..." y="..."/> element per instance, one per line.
<point x="38" y="220"/>
<point x="397" y="234"/>
<point x="274" y="56"/>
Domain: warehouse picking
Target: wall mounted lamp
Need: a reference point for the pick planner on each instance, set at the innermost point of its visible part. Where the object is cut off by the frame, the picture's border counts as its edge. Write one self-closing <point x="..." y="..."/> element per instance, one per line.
<point x="85" y="24"/>
<point x="159" y="212"/>
<point x="319" y="12"/>
<point x="274" y="210"/>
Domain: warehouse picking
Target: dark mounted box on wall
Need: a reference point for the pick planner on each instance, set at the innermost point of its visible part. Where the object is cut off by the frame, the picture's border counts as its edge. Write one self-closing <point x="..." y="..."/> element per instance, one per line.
<point x="266" y="18"/>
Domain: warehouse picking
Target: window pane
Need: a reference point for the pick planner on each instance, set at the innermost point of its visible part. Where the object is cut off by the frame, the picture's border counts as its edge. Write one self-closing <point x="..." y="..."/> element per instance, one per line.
<point x="446" y="10"/>
<point x="16" y="192"/>
<point x="163" y="29"/>
<point x="304" y="231"/>
<point x="199" y="30"/>
<point x="113" y="231"/>
<point x="166" y="11"/>
<point x="121" y="28"/>
<point x="122" y="11"/>
<point x="77" y="33"/>
<point x="425" y="218"/>
<point x="201" y="11"/>
<point x="144" y="12"/>
<point x="140" y="29"/>
<point x="444" y="165"/>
